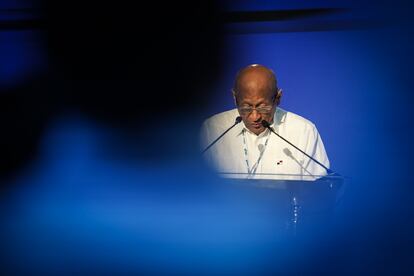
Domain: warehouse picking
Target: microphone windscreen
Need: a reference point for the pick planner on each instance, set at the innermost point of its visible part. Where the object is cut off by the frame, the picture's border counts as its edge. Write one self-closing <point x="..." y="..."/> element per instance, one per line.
<point x="265" y="123"/>
<point x="287" y="152"/>
<point x="238" y="119"/>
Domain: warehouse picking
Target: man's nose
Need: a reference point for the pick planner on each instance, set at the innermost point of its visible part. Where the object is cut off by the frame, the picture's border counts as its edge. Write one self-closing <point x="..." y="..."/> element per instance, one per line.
<point x="255" y="116"/>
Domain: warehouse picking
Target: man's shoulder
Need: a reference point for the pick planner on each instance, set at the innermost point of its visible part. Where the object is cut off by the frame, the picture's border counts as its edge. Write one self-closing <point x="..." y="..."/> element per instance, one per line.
<point x="295" y="120"/>
<point x="222" y="119"/>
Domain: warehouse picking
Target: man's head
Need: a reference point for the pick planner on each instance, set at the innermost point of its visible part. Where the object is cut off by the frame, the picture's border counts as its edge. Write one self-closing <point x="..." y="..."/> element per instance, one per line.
<point x="256" y="95"/>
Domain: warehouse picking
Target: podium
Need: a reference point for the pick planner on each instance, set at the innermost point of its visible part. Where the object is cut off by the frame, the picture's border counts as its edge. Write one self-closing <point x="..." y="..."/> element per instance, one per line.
<point x="302" y="203"/>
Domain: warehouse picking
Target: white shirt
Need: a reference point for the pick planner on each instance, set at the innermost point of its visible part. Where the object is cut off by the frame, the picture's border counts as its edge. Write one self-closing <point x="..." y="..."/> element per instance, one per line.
<point x="279" y="159"/>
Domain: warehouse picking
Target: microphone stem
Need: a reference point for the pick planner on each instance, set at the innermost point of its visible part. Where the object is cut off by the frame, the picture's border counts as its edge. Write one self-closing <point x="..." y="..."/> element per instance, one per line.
<point x="218" y="138"/>
<point x="319" y="163"/>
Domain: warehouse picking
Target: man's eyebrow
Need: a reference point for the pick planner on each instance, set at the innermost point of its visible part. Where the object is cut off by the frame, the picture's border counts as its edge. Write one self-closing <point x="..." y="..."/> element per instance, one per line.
<point x="250" y="104"/>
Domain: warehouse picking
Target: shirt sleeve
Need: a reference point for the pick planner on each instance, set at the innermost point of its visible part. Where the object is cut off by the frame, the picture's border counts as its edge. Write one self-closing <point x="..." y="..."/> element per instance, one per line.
<point x="316" y="149"/>
<point x="204" y="135"/>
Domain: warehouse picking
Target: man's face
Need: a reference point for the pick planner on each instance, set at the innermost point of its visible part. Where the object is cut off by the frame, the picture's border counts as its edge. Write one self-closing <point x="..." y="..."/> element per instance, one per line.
<point x="255" y="105"/>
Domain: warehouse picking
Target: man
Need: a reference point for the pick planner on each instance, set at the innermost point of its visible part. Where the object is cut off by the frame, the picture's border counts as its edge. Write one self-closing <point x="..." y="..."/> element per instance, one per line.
<point x="250" y="148"/>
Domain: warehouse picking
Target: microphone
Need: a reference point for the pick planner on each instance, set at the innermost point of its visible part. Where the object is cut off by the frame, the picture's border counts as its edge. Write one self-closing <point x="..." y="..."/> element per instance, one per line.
<point x="238" y="120"/>
<point x="290" y="154"/>
<point x="267" y="125"/>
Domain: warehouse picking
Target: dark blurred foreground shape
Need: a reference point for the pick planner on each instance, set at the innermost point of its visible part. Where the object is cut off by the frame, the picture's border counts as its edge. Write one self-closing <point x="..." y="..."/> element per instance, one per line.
<point x="132" y="67"/>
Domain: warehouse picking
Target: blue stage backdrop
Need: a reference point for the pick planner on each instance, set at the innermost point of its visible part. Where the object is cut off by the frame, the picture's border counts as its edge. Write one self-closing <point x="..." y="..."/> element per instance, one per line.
<point x="337" y="79"/>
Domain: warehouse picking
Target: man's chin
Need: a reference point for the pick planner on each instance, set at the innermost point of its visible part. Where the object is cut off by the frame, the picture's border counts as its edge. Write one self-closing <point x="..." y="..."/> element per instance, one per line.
<point x="256" y="129"/>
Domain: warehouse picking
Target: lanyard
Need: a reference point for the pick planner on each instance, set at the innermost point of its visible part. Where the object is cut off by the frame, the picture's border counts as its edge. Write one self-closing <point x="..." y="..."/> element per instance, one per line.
<point x="246" y="155"/>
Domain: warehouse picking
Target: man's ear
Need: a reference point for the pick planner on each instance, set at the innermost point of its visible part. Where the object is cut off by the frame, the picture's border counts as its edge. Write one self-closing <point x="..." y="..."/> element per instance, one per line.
<point x="278" y="96"/>
<point x="234" y="97"/>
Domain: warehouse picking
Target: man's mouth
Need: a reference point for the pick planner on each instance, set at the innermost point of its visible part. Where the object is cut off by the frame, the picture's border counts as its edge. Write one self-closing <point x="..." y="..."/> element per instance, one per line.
<point x="256" y="125"/>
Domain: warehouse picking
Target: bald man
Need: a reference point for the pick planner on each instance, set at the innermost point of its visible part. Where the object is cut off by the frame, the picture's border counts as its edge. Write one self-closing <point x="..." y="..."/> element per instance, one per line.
<point x="251" y="150"/>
